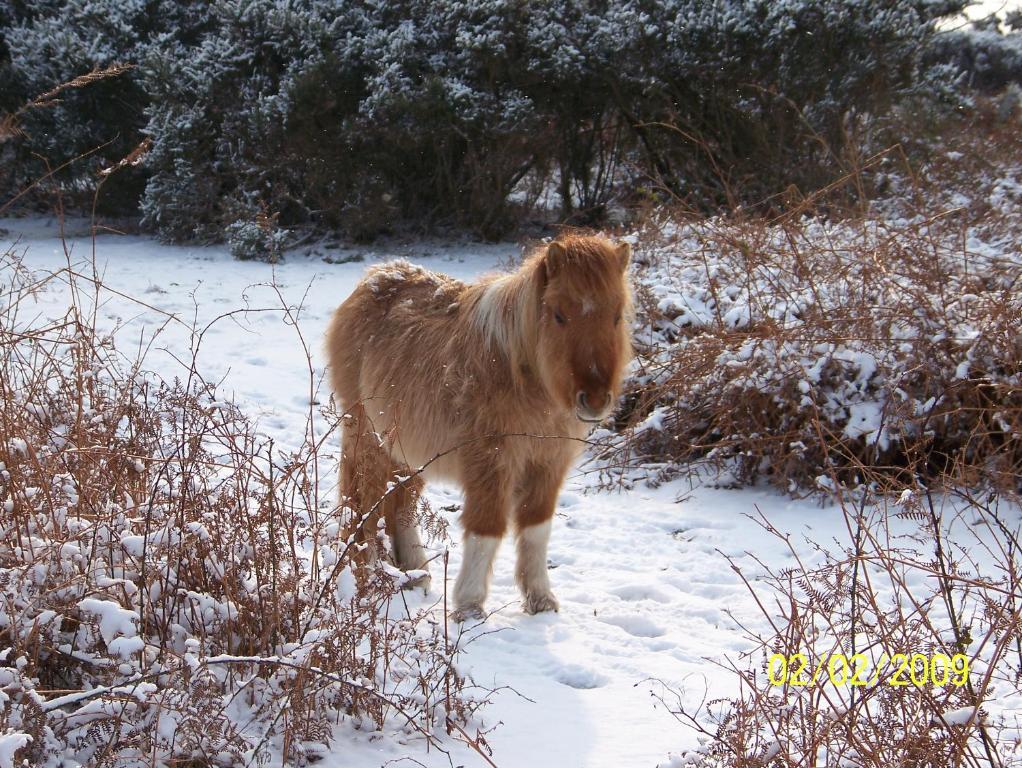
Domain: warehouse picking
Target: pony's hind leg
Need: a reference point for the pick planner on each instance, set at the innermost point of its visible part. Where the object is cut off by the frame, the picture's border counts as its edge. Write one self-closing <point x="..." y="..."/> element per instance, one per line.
<point x="531" y="569"/>
<point x="536" y="502"/>
<point x="365" y="469"/>
<point x="400" y="512"/>
<point x="374" y="488"/>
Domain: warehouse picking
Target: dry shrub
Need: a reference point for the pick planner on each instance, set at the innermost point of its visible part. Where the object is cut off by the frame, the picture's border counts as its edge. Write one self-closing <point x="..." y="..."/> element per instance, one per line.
<point x="799" y="348"/>
<point x="172" y="586"/>
<point x="919" y="574"/>
<point x="876" y="359"/>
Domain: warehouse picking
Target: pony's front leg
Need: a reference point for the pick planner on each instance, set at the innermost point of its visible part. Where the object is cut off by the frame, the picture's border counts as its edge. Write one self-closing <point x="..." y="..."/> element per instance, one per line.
<point x="531" y="570"/>
<point x="487" y="499"/>
<point x="534" y="514"/>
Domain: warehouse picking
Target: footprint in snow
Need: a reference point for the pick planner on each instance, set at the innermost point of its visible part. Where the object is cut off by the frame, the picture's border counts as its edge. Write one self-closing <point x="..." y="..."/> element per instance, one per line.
<point x="582" y="678"/>
<point x="713" y="591"/>
<point x="635" y="625"/>
<point x="636" y="592"/>
<point x="275" y="422"/>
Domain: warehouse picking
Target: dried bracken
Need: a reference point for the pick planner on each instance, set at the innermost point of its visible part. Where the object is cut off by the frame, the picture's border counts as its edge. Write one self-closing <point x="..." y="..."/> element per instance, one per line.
<point x="172" y="586"/>
<point x="874" y="361"/>
<point x="800" y="348"/>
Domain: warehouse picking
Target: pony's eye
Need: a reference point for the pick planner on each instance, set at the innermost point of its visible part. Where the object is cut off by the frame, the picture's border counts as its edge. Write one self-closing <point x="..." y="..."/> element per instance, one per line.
<point x="559" y="317"/>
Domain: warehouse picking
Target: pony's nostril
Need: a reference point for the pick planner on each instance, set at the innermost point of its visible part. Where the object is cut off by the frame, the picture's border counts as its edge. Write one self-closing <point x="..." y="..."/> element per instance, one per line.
<point x="583" y="401"/>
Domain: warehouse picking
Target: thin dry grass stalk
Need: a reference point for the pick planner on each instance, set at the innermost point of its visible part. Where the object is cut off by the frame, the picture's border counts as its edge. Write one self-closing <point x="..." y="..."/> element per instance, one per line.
<point x="9" y="127"/>
<point x="132" y="159"/>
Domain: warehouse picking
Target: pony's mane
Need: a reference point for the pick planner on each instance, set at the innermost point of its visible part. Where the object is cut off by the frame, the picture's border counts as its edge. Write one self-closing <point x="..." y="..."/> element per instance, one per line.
<point x="505" y="312"/>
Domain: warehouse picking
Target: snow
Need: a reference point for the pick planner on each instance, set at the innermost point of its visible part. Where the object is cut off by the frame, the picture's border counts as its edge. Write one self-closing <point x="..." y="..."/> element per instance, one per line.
<point x="9" y="744"/>
<point x="648" y="596"/>
<point x="114" y="621"/>
<point x="864" y="418"/>
<point x="959" y="716"/>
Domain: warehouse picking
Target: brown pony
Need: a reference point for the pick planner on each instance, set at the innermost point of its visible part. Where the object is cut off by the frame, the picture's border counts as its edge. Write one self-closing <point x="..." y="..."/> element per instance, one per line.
<point x="491" y="385"/>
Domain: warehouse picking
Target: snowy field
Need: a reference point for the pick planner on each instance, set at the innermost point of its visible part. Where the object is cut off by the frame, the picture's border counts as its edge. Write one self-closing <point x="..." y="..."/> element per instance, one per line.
<point x="648" y="596"/>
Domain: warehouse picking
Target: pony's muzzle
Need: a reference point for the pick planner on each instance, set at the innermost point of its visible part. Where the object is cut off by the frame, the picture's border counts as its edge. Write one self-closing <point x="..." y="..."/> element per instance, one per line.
<point x="585" y="411"/>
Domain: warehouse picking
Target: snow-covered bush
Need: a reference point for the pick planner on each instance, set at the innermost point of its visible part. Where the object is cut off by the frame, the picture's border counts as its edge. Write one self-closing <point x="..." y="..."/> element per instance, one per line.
<point x="804" y="349"/>
<point x="85" y="129"/>
<point x="326" y="116"/>
<point x="221" y="115"/>
<point x="172" y="589"/>
<point x="455" y="112"/>
<point x="736" y="102"/>
<point x="12" y="96"/>
<point x="257" y="238"/>
<point x="988" y="56"/>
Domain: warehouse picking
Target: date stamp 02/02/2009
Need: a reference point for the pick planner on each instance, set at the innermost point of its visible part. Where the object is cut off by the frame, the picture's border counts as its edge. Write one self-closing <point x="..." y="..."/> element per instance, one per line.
<point x="898" y="670"/>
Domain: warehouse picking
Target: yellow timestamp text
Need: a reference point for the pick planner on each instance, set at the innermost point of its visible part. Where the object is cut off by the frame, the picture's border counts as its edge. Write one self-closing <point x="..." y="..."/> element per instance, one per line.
<point x="898" y="670"/>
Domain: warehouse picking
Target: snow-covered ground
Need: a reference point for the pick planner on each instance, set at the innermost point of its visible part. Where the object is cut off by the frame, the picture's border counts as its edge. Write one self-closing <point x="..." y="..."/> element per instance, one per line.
<point x="648" y="596"/>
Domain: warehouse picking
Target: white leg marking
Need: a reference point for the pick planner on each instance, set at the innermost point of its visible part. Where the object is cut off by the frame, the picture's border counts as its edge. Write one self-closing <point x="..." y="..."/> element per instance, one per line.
<point x="474" y="578"/>
<point x="531" y="571"/>
<point x="410" y="554"/>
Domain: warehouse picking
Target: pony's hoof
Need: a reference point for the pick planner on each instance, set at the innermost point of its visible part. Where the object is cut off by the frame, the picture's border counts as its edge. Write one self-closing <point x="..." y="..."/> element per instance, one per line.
<point x="540" y="603"/>
<point x="419" y="582"/>
<point x="468" y="613"/>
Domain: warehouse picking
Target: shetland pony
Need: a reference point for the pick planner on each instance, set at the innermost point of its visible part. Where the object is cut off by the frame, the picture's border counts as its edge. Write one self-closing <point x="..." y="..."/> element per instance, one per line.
<point x="490" y="384"/>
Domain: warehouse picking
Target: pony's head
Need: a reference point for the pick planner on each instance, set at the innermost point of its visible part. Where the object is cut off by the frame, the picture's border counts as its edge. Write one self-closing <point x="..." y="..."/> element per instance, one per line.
<point x="583" y="337"/>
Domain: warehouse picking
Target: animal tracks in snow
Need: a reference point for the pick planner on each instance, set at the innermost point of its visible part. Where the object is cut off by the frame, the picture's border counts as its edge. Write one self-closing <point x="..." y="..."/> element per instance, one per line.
<point x="637" y="603"/>
<point x="636" y="592"/>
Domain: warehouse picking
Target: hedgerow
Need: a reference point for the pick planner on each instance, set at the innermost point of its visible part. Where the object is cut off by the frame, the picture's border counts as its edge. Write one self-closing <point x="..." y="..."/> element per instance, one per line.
<point x="465" y="114"/>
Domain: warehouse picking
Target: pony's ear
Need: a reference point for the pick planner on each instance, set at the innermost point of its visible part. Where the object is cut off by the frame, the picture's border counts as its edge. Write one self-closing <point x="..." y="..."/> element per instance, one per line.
<point x="624" y="255"/>
<point x="552" y="262"/>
